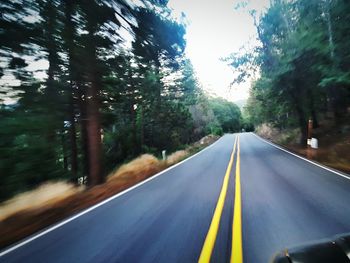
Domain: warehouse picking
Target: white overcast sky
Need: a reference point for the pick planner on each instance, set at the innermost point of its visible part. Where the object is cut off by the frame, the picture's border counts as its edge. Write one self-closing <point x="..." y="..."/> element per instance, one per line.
<point x="215" y="29"/>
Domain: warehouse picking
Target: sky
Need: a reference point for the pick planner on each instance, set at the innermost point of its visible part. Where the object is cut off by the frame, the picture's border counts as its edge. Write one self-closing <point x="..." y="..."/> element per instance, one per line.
<point x="214" y="30"/>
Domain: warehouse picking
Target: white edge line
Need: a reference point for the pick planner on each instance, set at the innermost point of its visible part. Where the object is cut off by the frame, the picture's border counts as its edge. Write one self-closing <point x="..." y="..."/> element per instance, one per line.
<point x="52" y="228"/>
<point x="307" y="160"/>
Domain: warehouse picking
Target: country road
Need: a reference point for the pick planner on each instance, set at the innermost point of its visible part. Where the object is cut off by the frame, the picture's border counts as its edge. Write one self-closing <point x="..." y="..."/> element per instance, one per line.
<point x="240" y="195"/>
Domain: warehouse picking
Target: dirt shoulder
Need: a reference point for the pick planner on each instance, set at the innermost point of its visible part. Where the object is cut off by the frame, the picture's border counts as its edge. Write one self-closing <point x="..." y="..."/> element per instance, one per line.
<point x="333" y="142"/>
<point x="22" y="218"/>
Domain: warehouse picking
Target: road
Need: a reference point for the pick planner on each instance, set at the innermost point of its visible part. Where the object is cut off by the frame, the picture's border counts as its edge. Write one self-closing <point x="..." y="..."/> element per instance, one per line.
<point x="242" y="196"/>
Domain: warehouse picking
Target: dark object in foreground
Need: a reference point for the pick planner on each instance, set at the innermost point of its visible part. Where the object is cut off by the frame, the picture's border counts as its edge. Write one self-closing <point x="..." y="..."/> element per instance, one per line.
<point x="336" y="250"/>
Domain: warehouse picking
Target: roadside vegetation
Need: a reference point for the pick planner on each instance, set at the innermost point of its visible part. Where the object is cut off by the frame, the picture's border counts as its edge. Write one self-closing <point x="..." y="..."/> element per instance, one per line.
<point x="89" y="85"/>
<point x="301" y="70"/>
<point x="301" y="66"/>
<point x="92" y="92"/>
<point x="334" y="143"/>
<point x="31" y="211"/>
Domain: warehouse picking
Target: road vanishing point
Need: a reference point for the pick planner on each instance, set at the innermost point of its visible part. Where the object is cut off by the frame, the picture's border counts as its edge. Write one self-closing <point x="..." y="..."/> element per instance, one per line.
<point x="241" y="199"/>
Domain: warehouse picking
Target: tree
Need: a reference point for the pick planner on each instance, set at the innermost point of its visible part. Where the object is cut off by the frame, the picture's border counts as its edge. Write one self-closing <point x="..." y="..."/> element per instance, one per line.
<point x="227" y="113"/>
<point x="101" y="99"/>
<point x="297" y="52"/>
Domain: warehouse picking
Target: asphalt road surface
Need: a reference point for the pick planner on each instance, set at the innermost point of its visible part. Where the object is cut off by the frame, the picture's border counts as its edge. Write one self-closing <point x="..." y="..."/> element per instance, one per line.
<point x="224" y="204"/>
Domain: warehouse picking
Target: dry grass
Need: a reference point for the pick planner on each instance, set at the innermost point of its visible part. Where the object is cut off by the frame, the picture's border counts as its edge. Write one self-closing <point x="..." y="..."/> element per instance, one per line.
<point x="177" y="157"/>
<point x="51" y="205"/>
<point x="334" y="143"/>
<point x="29" y="212"/>
<point x="146" y="163"/>
<point x="267" y="131"/>
<point x="335" y="155"/>
<point x="45" y="195"/>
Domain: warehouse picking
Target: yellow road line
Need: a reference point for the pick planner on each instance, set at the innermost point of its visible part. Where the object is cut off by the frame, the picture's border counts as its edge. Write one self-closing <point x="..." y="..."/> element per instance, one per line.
<point x="236" y="249"/>
<point x="215" y="222"/>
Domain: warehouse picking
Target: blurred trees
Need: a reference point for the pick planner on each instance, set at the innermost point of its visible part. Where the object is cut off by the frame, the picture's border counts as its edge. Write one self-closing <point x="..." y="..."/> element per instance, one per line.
<point x="228" y="115"/>
<point x="303" y="63"/>
<point x="116" y="84"/>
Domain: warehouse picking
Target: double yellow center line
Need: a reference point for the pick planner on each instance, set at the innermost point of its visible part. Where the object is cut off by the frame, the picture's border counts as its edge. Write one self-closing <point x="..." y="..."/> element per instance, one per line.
<point x="236" y="249"/>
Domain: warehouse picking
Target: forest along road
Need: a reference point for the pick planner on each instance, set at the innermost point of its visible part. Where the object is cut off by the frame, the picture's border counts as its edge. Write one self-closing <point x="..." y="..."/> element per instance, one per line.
<point x="262" y="198"/>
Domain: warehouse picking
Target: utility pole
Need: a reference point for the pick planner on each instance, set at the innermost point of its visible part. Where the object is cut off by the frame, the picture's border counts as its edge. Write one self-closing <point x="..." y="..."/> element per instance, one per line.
<point x="309" y="131"/>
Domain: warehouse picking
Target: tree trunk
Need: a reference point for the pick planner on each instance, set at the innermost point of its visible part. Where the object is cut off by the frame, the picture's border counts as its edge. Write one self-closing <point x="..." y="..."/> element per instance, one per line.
<point x="315" y="123"/>
<point x="301" y="115"/>
<point x="93" y="126"/>
<point x="312" y="109"/>
<point x="330" y="30"/>
<point x="69" y="42"/>
<point x="333" y="92"/>
<point x="51" y="91"/>
<point x="64" y="152"/>
<point x="133" y="122"/>
<point x="302" y="125"/>
<point x="132" y="111"/>
<point x="83" y="131"/>
<point x="73" y="141"/>
<point x="142" y="130"/>
<point x="94" y="134"/>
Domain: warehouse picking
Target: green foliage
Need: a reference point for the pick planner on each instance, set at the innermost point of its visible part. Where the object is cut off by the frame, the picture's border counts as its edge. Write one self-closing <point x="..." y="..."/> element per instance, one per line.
<point x="102" y="100"/>
<point x="303" y="63"/>
<point x="247" y="125"/>
<point x="216" y="130"/>
<point x="227" y="114"/>
<point x="28" y="155"/>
